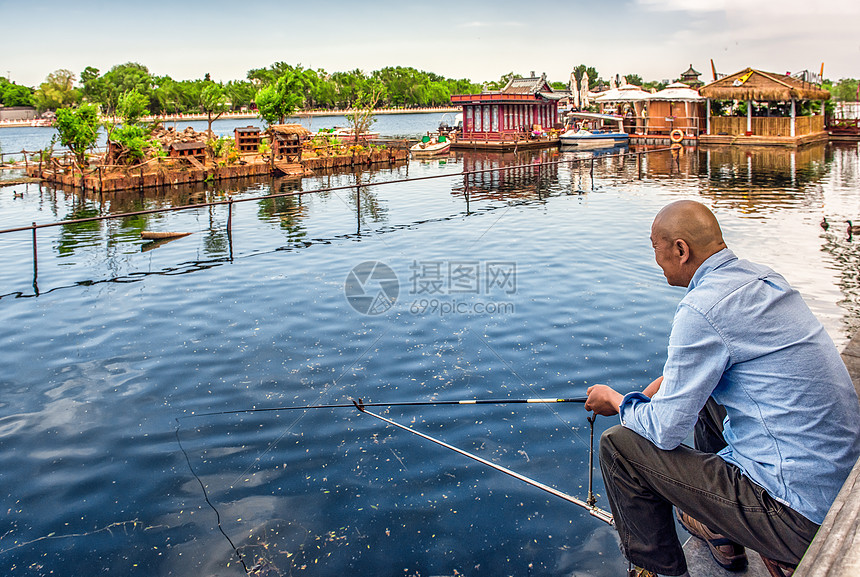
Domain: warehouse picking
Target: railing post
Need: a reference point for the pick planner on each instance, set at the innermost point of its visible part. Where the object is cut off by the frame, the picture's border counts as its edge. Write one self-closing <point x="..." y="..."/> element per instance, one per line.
<point x="229" y="213"/>
<point x="35" y="256"/>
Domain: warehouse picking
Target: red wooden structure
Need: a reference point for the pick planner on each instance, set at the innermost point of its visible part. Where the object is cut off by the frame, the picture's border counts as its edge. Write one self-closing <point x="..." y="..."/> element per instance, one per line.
<point x="524" y="107"/>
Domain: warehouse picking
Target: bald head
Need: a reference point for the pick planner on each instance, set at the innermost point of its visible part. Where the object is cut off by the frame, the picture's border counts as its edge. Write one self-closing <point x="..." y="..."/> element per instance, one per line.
<point x="693" y="222"/>
<point x="684" y="234"/>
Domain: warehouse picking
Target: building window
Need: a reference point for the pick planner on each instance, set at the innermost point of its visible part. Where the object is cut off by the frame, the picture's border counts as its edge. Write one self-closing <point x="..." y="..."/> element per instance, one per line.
<point x="495" y="116"/>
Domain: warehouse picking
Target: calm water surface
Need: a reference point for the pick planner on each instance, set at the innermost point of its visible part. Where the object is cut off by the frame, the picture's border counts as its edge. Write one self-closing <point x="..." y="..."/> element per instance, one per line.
<point x="540" y="285"/>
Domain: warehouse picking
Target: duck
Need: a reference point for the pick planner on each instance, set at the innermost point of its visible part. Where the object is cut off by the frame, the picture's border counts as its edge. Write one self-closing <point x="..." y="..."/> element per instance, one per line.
<point x="16" y="194"/>
<point x="853" y="228"/>
<point x="824" y="224"/>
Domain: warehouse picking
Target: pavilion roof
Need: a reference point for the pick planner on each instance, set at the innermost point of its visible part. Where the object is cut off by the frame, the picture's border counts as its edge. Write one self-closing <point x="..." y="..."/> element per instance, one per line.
<point x="751" y="84"/>
<point x="531" y="85"/>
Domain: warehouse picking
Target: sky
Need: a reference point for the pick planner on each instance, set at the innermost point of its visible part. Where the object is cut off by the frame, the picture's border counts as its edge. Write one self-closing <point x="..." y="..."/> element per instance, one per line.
<point x="476" y="39"/>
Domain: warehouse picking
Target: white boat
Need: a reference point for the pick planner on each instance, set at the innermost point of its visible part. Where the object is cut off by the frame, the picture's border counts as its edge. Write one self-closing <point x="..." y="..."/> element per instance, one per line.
<point x="431" y="147"/>
<point x="347" y="135"/>
<point x="589" y="133"/>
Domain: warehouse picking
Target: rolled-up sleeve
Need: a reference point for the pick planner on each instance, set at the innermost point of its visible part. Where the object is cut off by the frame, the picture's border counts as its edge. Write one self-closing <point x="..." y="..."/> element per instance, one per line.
<point x="697" y="358"/>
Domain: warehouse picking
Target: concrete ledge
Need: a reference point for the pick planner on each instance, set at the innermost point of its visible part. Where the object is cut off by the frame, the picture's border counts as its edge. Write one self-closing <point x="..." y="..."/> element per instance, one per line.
<point x="835" y="551"/>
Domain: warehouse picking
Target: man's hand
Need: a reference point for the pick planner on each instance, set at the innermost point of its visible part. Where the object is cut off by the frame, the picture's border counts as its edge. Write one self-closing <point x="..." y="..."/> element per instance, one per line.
<point x="603" y="400"/>
<point x="652" y="388"/>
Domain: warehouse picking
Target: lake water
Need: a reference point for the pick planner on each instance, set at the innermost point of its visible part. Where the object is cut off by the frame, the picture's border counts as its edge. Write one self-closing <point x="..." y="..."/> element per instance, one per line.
<point x="542" y="284"/>
<point x="13" y="140"/>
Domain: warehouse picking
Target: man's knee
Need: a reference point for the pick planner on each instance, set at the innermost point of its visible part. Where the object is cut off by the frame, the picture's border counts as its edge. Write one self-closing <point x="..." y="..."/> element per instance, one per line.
<point x="613" y="440"/>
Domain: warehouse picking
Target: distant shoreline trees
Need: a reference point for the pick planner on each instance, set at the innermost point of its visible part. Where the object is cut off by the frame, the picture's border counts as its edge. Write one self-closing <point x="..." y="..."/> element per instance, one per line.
<point x="403" y="87"/>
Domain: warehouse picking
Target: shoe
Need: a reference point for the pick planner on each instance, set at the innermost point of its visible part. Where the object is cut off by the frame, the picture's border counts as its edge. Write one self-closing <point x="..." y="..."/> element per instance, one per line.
<point x="640" y="572"/>
<point x="778" y="568"/>
<point x="728" y="554"/>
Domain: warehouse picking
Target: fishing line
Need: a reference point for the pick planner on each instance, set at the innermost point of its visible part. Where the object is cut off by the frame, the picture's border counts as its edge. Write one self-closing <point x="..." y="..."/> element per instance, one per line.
<point x="206" y="497"/>
<point x="325" y="391"/>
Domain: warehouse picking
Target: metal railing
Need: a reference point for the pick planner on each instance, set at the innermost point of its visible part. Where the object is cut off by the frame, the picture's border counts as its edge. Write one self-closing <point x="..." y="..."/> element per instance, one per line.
<point x="465" y="175"/>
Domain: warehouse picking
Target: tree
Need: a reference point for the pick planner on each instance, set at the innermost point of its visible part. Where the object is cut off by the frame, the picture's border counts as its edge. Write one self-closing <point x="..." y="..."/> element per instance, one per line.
<point x="634" y="79"/>
<point x="280" y="100"/>
<point x="240" y="92"/>
<point x="58" y="90"/>
<point x="78" y="129"/>
<point x="593" y="77"/>
<point x="213" y="100"/>
<point x="123" y="78"/>
<point x="132" y="106"/>
<point x="503" y="81"/>
<point x="845" y="90"/>
<point x="361" y="118"/>
<point x="15" y="95"/>
<point x="94" y="87"/>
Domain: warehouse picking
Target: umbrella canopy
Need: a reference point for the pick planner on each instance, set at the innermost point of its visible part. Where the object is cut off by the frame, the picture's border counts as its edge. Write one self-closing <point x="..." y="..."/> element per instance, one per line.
<point x="677" y="92"/>
<point x="583" y="90"/>
<point x="627" y="93"/>
<point x="574" y="91"/>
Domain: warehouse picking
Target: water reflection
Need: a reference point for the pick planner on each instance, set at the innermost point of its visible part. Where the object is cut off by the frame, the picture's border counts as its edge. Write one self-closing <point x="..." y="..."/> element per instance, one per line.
<point x="762" y="179"/>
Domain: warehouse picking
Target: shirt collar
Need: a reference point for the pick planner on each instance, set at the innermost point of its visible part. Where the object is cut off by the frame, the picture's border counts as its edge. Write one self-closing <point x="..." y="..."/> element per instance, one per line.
<point x="713" y="262"/>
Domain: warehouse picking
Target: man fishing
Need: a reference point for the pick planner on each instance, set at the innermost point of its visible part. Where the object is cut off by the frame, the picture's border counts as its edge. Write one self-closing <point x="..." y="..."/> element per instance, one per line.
<point x="756" y="378"/>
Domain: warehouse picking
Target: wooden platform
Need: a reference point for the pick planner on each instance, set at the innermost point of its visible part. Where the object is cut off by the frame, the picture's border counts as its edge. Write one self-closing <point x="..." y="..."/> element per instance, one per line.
<point x="504" y="145"/>
<point x="787" y="141"/>
<point x="660" y="139"/>
<point x="289" y="168"/>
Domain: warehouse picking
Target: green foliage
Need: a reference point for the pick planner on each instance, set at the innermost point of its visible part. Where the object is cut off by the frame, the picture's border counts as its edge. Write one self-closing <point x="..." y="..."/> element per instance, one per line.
<point x="57" y="91"/>
<point x="224" y="148"/>
<point x="647" y="86"/>
<point x="278" y="101"/>
<point x="501" y="82"/>
<point x="132" y="105"/>
<point x="15" y="95"/>
<point x="78" y="129"/>
<point x="124" y="78"/>
<point x="593" y="76"/>
<point x="361" y="118"/>
<point x="845" y="90"/>
<point x="135" y="142"/>
<point x="634" y="79"/>
<point x="213" y="102"/>
<point x="406" y="87"/>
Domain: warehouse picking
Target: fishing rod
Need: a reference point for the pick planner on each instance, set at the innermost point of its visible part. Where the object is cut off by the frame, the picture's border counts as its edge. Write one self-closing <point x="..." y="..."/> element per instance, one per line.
<point x="588" y="505"/>
<point x="354" y="404"/>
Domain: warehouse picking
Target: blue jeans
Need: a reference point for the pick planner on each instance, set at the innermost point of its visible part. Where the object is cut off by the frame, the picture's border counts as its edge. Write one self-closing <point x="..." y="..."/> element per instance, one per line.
<point x="644" y="482"/>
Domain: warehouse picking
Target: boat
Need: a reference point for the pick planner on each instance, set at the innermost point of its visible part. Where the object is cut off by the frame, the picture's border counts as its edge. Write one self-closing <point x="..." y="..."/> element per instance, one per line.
<point x="347" y="135"/>
<point x="587" y="137"/>
<point x="431" y="147"/>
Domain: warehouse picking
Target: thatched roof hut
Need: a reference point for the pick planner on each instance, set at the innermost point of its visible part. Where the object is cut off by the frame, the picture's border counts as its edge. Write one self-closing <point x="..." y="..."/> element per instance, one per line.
<point x="287" y="141"/>
<point x="290" y="129"/>
<point x="750" y="84"/>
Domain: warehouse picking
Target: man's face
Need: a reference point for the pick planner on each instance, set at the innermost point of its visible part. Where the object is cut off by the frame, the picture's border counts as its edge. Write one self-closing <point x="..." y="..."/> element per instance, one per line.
<point x="667" y="258"/>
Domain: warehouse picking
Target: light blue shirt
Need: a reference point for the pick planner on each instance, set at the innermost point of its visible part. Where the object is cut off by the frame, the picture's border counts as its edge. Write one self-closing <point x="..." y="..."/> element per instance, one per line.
<point x="742" y="335"/>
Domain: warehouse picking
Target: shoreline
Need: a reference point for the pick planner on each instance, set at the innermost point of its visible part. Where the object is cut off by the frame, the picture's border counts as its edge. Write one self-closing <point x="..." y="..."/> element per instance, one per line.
<point x="249" y="115"/>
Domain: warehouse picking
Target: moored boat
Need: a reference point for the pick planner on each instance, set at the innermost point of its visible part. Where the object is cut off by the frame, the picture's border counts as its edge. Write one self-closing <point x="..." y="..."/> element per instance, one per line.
<point x="347" y="135"/>
<point x="583" y="135"/>
<point x="431" y="147"/>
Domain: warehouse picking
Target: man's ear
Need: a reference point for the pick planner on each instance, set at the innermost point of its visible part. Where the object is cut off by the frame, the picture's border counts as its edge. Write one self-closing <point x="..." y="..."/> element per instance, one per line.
<point x="683" y="249"/>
